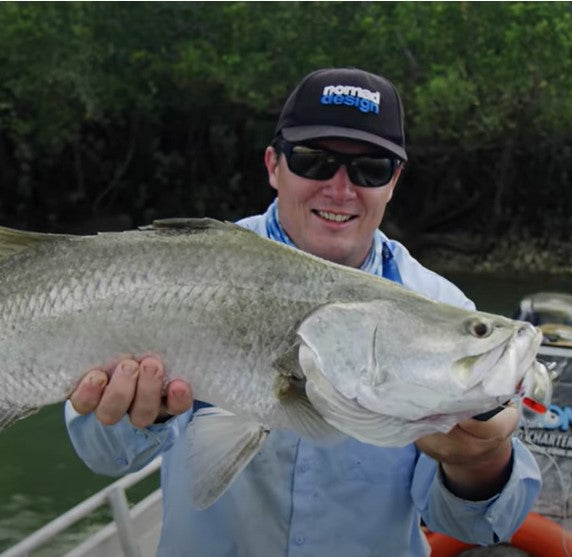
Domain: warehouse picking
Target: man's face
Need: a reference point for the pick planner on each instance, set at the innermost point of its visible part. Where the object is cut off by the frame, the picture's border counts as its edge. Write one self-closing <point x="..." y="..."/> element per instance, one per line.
<point x="333" y="219"/>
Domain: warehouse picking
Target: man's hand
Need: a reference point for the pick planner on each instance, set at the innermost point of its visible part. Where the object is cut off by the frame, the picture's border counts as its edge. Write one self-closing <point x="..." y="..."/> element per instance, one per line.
<point x="134" y="387"/>
<point x="475" y="456"/>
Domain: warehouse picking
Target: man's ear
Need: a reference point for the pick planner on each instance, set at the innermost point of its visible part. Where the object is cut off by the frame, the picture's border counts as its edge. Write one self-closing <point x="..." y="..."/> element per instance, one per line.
<point x="271" y="159"/>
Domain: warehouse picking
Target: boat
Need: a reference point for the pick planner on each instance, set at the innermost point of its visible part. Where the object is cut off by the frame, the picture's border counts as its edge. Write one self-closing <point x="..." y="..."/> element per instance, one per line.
<point x="551" y="312"/>
<point x="537" y="537"/>
<point x="550" y="438"/>
<point x="134" y="531"/>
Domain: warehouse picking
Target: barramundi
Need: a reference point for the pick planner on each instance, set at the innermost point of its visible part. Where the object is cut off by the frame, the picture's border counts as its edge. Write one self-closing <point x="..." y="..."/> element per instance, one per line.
<point x="270" y="336"/>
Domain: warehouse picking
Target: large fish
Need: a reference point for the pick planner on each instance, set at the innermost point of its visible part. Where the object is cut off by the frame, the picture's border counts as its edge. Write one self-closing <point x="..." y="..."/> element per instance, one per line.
<point x="274" y="337"/>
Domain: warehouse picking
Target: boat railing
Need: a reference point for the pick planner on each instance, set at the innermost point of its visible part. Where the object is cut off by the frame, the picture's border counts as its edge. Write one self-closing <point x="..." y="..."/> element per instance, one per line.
<point x="114" y="495"/>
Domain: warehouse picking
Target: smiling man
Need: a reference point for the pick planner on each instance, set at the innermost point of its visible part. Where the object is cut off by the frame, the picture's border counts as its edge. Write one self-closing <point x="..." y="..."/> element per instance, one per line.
<point x="335" y="160"/>
<point x="330" y="145"/>
<point x="329" y="216"/>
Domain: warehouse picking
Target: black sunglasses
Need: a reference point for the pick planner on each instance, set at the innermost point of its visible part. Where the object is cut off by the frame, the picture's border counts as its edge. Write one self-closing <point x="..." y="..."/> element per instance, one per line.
<point x="369" y="171"/>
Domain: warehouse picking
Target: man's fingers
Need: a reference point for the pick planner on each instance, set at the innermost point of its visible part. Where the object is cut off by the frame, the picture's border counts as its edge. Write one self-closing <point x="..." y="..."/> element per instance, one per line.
<point x="147" y="401"/>
<point x="179" y="397"/>
<point x="131" y="387"/>
<point x="88" y="393"/>
<point x="119" y="394"/>
<point x="471" y="441"/>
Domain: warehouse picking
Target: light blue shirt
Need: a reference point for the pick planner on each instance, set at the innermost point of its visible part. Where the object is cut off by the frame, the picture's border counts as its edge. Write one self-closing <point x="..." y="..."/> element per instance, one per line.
<point x="297" y="499"/>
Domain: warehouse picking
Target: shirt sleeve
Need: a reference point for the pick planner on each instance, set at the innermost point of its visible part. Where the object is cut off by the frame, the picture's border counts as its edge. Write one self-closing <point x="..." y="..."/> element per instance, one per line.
<point x="479" y="522"/>
<point x="117" y="449"/>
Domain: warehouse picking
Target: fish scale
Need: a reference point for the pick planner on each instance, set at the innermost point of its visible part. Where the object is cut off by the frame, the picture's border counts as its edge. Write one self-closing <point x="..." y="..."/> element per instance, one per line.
<point x="228" y="311"/>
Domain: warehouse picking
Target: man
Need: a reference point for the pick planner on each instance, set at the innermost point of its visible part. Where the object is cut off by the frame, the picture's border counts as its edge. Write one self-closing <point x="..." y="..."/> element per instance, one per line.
<point x="335" y="161"/>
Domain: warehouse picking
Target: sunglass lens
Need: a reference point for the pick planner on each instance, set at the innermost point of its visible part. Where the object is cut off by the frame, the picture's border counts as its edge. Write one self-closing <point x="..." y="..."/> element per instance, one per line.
<point x="371" y="171"/>
<point x="312" y="164"/>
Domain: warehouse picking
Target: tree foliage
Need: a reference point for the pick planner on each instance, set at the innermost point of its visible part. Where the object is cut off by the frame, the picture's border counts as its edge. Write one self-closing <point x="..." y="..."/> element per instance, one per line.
<point x="112" y="114"/>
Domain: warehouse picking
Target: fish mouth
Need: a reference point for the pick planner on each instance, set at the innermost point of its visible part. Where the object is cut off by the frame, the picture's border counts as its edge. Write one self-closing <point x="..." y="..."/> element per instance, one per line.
<point x="500" y="369"/>
<point x="513" y="360"/>
<point x="508" y="370"/>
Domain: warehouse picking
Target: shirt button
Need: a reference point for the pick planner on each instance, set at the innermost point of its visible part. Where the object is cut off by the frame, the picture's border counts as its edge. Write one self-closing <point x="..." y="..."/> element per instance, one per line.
<point x="121" y="460"/>
<point x="299" y="540"/>
<point x="304" y="466"/>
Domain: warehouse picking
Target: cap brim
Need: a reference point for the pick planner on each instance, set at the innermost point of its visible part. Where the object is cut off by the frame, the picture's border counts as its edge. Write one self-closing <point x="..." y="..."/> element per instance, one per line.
<point x="305" y="133"/>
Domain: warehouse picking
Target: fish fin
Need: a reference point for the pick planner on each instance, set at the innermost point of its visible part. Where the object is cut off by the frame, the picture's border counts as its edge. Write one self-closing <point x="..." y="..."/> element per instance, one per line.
<point x="298" y="410"/>
<point x="221" y="444"/>
<point x="12" y="414"/>
<point x="287" y="364"/>
<point x="197" y="224"/>
<point x="14" y="241"/>
<point x="194" y="225"/>
<point x="306" y="420"/>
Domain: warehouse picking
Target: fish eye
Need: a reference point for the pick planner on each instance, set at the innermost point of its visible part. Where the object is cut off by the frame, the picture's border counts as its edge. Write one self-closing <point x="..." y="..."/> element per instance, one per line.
<point x="478" y="327"/>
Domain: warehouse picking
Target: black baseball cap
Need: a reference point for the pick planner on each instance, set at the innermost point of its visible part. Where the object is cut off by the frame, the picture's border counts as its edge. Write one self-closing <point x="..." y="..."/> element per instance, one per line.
<point x="347" y="103"/>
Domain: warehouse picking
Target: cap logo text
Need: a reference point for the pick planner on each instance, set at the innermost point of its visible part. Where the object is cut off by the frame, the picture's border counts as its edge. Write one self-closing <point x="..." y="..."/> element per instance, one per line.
<point x="350" y="95"/>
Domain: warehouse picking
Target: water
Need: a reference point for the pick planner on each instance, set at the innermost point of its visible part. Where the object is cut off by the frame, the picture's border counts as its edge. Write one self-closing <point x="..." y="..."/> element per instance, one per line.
<point x="40" y="476"/>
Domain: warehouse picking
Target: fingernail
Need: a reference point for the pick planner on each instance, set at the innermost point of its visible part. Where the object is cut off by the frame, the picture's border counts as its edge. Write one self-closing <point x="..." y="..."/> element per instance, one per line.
<point x="129" y="367"/>
<point x="97" y="378"/>
<point x="178" y="392"/>
<point x="150" y="367"/>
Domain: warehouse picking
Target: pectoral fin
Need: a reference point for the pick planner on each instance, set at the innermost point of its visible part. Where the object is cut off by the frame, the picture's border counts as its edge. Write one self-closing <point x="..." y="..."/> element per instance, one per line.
<point x="287" y="363"/>
<point x="220" y="446"/>
<point x="302" y="417"/>
<point x="298" y="411"/>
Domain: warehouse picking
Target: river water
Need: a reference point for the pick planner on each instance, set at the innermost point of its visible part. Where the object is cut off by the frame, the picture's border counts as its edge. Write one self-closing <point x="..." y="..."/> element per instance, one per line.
<point x="40" y="476"/>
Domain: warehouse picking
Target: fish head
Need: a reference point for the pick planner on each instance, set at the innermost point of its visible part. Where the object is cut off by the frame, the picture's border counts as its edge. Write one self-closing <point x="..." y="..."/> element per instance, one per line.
<point x="460" y="353"/>
<point x="420" y="360"/>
